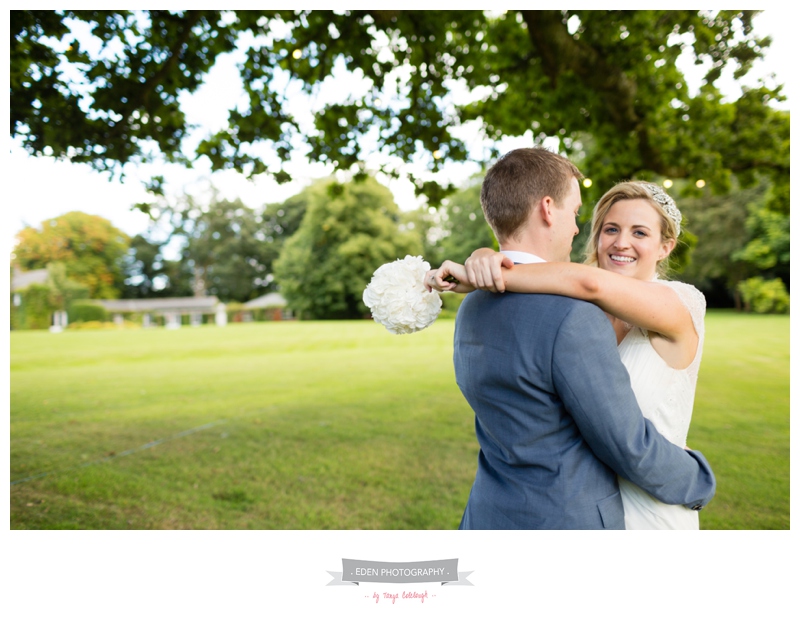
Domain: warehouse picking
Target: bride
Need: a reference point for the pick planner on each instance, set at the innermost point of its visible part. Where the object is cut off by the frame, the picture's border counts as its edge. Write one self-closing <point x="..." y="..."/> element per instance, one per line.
<point x="658" y="323"/>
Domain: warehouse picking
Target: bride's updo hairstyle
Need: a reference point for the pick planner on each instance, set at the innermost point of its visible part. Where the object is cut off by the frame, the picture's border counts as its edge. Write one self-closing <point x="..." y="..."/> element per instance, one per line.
<point x="633" y="190"/>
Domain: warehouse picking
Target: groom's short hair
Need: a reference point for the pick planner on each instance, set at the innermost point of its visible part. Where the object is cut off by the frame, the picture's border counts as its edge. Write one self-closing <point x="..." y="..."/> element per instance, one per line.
<point x="519" y="180"/>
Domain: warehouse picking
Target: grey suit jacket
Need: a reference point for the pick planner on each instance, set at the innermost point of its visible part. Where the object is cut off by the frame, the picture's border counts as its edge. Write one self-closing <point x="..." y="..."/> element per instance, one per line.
<point x="557" y="420"/>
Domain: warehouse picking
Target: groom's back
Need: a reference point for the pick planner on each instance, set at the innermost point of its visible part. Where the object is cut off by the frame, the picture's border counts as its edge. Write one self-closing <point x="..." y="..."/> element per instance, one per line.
<point x="535" y="470"/>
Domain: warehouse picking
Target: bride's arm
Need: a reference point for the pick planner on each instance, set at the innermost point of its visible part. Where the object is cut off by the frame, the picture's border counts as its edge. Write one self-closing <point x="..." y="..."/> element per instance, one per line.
<point x="456" y="278"/>
<point x="450" y="277"/>
<point x="649" y="305"/>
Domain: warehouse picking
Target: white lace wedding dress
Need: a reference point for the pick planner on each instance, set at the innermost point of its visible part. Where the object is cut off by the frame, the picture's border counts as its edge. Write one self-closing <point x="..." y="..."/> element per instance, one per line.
<point x="665" y="396"/>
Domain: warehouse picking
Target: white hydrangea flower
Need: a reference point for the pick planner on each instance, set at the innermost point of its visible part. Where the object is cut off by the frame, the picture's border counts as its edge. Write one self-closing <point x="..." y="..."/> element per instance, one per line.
<point x="397" y="297"/>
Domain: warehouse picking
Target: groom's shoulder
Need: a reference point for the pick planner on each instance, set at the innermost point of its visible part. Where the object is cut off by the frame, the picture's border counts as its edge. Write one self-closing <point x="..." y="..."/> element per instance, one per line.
<point x="555" y="307"/>
<point x="485" y="298"/>
<point x="560" y="313"/>
<point x="555" y="303"/>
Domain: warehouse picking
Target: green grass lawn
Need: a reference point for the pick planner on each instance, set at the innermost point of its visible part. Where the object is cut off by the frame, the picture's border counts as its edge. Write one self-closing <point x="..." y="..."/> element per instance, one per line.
<point x="741" y="420"/>
<point x="323" y="425"/>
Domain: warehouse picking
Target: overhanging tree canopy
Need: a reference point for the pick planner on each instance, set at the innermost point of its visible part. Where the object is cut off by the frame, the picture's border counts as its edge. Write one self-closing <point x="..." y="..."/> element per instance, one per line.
<point x="605" y="83"/>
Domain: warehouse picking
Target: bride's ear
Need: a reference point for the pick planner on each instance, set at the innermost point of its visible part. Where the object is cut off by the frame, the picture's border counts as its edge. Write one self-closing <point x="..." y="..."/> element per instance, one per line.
<point x="666" y="249"/>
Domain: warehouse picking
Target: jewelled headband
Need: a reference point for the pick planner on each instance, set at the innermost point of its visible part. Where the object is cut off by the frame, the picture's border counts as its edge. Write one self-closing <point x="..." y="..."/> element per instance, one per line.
<point x="662" y="198"/>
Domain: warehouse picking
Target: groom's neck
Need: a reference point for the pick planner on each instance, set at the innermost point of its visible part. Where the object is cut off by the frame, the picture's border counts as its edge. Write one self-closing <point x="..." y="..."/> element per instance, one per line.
<point x="542" y="250"/>
<point x="539" y="238"/>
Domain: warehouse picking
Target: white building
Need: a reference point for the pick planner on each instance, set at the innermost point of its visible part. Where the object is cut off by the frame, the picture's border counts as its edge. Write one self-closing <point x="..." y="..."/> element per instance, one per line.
<point x="171" y="308"/>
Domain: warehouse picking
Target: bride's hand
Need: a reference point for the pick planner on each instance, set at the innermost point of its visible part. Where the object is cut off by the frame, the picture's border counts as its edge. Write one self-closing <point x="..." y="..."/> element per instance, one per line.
<point x="435" y="278"/>
<point x="485" y="270"/>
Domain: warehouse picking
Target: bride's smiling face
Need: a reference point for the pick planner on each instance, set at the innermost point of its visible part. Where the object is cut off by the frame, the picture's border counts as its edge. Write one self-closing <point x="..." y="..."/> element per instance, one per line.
<point x="630" y="241"/>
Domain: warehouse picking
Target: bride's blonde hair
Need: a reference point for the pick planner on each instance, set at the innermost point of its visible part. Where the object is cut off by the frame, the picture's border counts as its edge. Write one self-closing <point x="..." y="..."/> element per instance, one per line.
<point x="633" y="190"/>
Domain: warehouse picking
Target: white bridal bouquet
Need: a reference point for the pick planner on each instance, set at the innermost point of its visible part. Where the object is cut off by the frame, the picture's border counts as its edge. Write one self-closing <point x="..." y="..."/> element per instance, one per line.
<point x="397" y="297"/>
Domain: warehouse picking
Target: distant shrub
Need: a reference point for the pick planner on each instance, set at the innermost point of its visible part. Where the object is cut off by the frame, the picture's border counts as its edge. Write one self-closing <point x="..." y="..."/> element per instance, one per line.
<point x="86" y="311"/>
<point x="764" y="296"/>
<point x="38" y="305"/>
<point x="238" y="312"/>
<point x="234" y="306"/>
<point x="103" y="325"/>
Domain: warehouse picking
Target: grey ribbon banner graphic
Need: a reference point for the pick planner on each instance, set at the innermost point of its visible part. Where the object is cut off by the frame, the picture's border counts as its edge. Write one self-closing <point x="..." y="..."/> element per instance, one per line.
<point x="367" y="571"/>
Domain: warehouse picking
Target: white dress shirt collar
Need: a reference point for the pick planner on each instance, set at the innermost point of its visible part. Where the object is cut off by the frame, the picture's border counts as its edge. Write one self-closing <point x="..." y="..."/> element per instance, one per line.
<point x="522" y="258"/>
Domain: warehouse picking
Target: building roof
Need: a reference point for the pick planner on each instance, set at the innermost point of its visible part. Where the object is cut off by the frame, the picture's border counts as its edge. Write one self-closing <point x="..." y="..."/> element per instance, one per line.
<point x="270" y="300"/>
<point x="23" y="279"/>
<point x="163" y="304"/>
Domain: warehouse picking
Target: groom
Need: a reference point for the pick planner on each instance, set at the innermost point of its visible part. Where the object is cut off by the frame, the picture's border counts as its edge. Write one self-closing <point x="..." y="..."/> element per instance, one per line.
<point x="555" y="415"/>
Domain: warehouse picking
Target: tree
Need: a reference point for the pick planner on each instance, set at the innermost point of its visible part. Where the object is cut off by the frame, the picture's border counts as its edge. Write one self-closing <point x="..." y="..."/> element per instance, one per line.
<point x="465" y="227"/>
<point x="64" y="290"/>
<point x="768" y="247"/>
<point x="425" y="223"/>
<point x="348" y="231"/>
<point x="149" y="274"/>
<point x="144" y="266"/>
<point x="90" y="247"/>
<point x="604" y="83"/>
<point x="280" y="221"/>
<point x="226" y="248"/>
<point x="741" y="235"/>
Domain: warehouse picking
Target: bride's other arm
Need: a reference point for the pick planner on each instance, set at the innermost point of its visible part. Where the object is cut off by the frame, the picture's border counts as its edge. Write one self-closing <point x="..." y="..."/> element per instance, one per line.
<point x="450" y="277"/>
<point x="649" y="305"/>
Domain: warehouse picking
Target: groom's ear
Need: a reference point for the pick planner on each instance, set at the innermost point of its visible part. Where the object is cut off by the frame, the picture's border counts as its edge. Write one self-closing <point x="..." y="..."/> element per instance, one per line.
<point x="546" y="207"/>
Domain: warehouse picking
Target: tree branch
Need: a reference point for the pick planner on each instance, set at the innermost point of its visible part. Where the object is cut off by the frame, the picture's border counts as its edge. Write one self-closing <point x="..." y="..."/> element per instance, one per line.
<point x="561" y="53"/>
